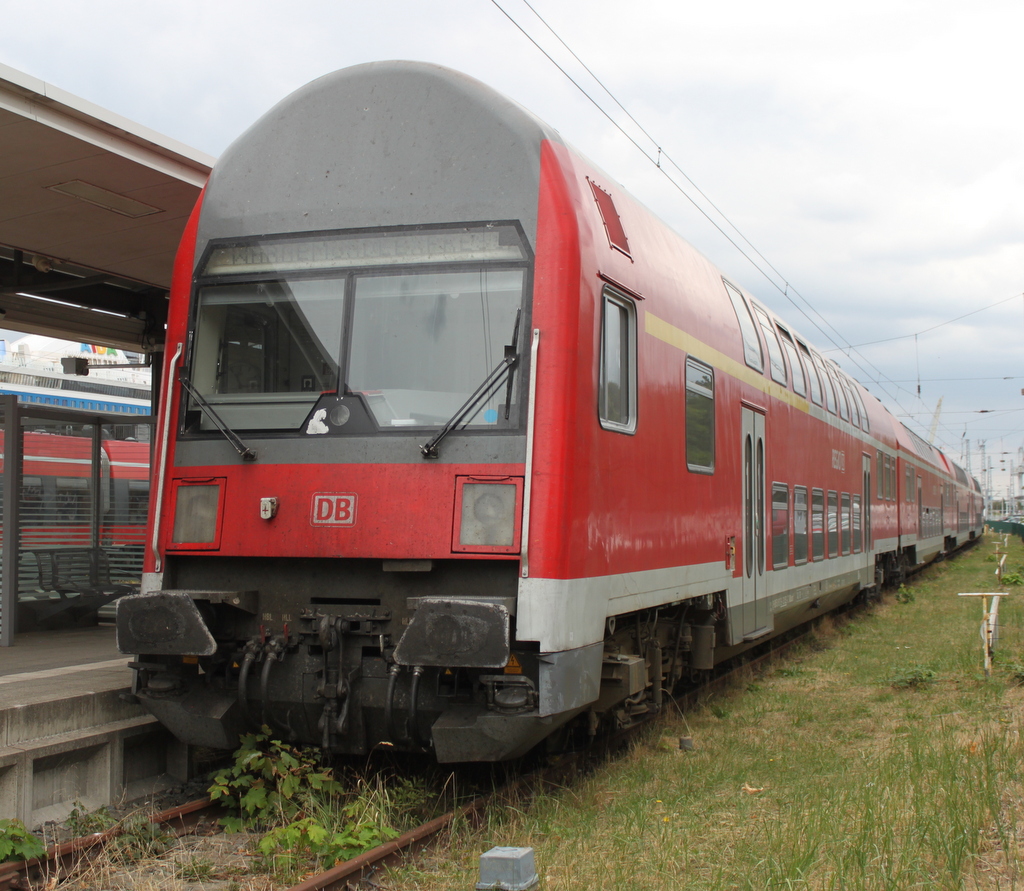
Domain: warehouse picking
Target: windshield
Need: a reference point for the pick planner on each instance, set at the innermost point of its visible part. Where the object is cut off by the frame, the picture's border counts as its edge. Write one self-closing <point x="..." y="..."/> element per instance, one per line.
<point x="412" y="343"/>
<point x="422" y="343"/>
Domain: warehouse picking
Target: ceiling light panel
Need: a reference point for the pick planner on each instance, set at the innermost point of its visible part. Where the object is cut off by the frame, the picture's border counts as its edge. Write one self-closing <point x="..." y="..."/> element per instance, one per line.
<point x="104" y="198"/>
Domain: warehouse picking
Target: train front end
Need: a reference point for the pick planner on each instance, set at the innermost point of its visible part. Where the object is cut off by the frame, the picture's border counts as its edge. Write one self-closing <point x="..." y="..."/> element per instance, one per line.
<point x="341" y="459"/>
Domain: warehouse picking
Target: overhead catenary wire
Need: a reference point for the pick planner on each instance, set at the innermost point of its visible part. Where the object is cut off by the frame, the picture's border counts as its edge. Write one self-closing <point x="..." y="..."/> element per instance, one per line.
<point x="785" y="288"/>
<point x="936" y="327"/>
<point x="660" y="159"/>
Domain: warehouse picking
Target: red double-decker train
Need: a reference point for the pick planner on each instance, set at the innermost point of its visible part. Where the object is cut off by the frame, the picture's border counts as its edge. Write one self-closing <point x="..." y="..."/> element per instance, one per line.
<point x="462" y="447"/>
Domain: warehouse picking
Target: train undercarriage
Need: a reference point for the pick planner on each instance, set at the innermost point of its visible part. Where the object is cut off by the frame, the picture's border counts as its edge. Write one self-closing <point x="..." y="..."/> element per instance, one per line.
<point x="391" y="658"/>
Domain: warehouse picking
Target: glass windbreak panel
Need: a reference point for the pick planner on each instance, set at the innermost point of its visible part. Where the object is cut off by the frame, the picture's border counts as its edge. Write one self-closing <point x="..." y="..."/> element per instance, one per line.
<point x="265" y="351"/>
<point x="423" y="342"/>
<point x="126" y="497"/>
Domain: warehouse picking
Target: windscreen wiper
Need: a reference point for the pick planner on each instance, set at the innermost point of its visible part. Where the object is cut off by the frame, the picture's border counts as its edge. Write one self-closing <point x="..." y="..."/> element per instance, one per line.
<point x="243" y="450"/>
<point x="490" y="383"/>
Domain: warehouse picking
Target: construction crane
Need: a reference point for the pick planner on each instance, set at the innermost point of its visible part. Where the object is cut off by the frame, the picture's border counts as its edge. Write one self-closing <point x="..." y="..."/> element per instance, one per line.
<point x="935" y="422"/>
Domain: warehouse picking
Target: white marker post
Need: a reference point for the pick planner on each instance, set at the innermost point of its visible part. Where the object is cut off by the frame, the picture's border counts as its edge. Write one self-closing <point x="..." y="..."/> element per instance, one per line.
<point x="989" y="623"/>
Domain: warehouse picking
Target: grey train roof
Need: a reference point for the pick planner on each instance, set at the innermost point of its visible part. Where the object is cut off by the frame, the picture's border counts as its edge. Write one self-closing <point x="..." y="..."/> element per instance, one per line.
<point x="380" y="144"/>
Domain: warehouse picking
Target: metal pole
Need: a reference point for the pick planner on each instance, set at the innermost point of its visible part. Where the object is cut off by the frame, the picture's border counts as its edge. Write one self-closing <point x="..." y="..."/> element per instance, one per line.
<point x="12" y="520"/>
<point x="96" y="514"/>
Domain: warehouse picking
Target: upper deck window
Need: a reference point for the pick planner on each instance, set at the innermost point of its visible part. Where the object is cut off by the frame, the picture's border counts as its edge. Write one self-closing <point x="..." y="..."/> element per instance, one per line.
<point x="864" y="422"/>
<point x="826" y="383"/>
<point x="812" y="374"/>
<point x="844" y="409"/>
<point x="854" y="405"/>
<point x="751" y="344"/>
<point x="799" y="381"/>
<point x="775" y="360"/>
<point x="403" y="326"/>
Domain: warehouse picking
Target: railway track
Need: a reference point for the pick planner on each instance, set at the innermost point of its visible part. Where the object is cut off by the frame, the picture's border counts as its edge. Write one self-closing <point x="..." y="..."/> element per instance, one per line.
<point x="71" y="857"/>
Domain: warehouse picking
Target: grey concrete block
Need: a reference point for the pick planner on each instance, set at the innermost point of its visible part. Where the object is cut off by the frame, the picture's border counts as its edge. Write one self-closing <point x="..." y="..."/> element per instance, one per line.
<point x="507" y="869"/>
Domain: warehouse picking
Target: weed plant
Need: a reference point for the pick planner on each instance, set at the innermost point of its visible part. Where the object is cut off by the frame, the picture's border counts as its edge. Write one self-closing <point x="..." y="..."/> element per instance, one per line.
<point x="17" y="843"/>
<point x="878" y="757"/>
<point x="305" y="817"/>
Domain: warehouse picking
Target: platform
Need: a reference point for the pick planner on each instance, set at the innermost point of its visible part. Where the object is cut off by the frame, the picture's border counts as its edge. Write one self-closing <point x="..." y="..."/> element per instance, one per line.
<point x="67" y="736"/>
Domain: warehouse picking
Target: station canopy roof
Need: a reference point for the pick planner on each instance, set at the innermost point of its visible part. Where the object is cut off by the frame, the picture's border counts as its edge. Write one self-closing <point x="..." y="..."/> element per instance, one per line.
<point x="92" y="207"/>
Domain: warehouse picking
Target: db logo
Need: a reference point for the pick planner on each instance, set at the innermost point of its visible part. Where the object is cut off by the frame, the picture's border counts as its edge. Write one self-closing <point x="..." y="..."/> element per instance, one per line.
<point x="333" y="510"/>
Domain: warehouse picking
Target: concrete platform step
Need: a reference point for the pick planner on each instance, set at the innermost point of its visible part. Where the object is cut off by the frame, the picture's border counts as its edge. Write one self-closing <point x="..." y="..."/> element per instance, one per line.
<point x="67" y="736"/>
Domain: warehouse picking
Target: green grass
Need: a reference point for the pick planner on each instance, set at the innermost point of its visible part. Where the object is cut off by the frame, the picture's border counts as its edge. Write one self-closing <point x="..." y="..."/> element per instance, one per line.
<point x="879" y="757"/>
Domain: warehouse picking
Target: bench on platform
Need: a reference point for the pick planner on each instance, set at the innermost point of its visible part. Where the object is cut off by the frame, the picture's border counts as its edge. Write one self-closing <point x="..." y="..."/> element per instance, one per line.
<point x="74" y="583"/>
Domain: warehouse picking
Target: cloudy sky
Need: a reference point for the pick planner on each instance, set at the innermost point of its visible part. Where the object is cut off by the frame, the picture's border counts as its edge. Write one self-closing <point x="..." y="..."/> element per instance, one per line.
<point x="869" y="152"/>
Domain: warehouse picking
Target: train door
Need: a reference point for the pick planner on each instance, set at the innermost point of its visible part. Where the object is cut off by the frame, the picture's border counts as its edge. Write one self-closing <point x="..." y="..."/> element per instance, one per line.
<point x="920" y="509"/>
<point x="755" y="590"/>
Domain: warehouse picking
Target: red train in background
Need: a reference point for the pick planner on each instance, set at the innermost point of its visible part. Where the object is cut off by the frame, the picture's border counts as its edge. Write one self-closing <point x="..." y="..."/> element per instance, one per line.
<point x="81" y="539"/>
<point x="464" y="449"/>
<point x="57" y="501"/>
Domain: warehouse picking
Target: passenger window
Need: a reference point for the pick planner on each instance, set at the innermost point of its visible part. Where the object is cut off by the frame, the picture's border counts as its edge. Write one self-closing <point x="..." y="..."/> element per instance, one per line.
<point x="880" y="475"/>
<point x="780" y="526"/>
<point x="833" y="524"/>
<point x="751" y="345"/>
<point x="617" y="395"/>
<point x="799" y="382"/>
<point x="854" y="409"/>
<point x="857" y="537"/>
<point x="799" y="525"/>
<point x="778" y="364"/>
<point x="812" y="374"/>
<point x="826" y="383"/>
<point x="845" y="521"/>
<point x="865" y="423"/>
<point x="817" y="524"/>
<point x="700" y="417"/>
<point x="844" y="410"/>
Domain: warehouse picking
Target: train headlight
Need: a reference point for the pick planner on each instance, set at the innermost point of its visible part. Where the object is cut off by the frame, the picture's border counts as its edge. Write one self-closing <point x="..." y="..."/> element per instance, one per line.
<point x="197" y="513"/>
<point x="488" y="514"/>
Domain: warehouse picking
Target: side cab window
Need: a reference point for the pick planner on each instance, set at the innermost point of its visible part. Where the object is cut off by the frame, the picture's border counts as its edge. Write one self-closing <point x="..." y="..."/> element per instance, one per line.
<point x="617" y="378"/>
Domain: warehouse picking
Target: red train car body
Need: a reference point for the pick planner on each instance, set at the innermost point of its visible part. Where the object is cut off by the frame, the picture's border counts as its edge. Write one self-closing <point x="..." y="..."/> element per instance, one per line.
<point x="463" y="446"/>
